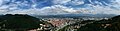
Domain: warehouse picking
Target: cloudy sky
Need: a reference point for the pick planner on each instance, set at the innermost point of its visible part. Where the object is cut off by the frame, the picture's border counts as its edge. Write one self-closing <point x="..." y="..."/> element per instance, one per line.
<point x="56" y="7"/>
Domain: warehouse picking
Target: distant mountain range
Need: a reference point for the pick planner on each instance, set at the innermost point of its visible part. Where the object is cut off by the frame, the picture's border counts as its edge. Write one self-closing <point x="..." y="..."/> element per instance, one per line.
<point x="76" y="16"/>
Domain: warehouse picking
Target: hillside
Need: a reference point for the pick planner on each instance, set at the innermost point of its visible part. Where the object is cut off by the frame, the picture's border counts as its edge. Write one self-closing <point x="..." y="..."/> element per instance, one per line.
<point x="112" y="24"/>
<point x="18" y="22"/>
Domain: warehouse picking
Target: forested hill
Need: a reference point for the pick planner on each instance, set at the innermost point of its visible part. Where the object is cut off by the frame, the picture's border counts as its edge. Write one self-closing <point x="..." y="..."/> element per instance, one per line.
<point x="19" y="22"/>
<point x="112" y="24"/>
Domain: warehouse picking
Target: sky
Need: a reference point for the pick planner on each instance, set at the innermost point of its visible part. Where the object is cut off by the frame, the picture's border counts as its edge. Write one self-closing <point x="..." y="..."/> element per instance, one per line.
<point x="56" y="7"/>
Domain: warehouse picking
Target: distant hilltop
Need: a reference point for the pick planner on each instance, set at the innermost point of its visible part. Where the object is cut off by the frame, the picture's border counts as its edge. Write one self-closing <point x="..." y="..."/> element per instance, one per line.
<point x="19" y="22"/>
<point x="15" y="14"/>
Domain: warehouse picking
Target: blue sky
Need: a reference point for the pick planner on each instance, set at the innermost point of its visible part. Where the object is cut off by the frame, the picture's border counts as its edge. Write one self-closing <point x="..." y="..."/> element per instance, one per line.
<point x="54" y="7"/>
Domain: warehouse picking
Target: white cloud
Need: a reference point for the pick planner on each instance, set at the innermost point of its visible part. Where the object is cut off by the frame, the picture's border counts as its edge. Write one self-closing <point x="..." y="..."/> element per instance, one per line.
<point x="60" y="9"/>
<point x="53" y="10"/>
<point x="77" y="2"/>
<point x="60" y="1"/>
